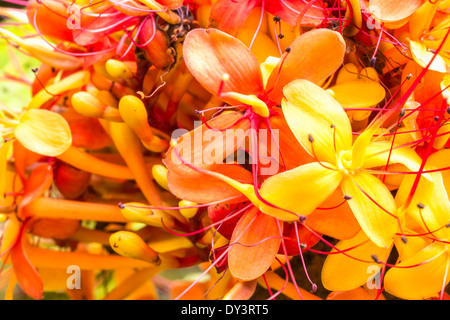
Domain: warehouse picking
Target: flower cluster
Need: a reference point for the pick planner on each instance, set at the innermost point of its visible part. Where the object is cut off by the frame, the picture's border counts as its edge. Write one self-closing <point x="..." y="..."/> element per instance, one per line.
<point x="230" y="141"/>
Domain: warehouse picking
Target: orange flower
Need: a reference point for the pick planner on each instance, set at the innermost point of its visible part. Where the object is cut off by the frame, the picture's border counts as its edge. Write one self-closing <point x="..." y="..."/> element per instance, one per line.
<point x="229" y="15"/>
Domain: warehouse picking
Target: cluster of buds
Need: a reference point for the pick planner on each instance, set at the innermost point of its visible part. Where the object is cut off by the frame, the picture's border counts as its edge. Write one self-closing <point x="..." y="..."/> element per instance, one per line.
<point x="230" y="139"/>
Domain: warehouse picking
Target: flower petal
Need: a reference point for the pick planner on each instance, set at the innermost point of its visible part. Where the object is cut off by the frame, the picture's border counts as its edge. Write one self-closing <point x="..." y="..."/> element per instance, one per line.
<point x="373" y="206"/>
<point x="205" y="188"/>
<point x="207" y="145"/>
<point x="353" y="267"/>
<point x="312" y="113"/>
<point x="255" y="238"/>
<point x="423" y="57"/>
<point x="229" y="15"/>
<point x="313" y="56"/>
<point x="421" y="276"/>
<point x="393" y="10"/>
<point x="378" y="153"/>
<point x="211" y="55"/>
<point x="26" y="274"/>
<point x="39" y="181"/>
<point x="300" y="190"/>
<point x="358" y="94"/>
<point x="44" y="132"/>
<point x="287" y="150"/>
<point x="339" y="222"/>
<point x="430" y="204"/>
<point x="289" y="11"/>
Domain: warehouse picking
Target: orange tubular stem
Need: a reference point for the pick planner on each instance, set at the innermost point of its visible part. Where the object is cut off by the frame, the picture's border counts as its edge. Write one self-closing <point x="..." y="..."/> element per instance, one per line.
<point x="69" y="209"/>
<point x="86" y="162"/>
<point x="132" y="283"/>
<point x="46" y="258"/>
<point x="129" y="146"/>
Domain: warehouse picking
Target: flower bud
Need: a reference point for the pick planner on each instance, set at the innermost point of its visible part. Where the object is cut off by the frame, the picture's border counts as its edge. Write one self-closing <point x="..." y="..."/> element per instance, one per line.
<point x="87" y="105"/>
<point x="129" y="244"/>
<point x="188" y="212"/>
<point x="159" y="173"/>
<point x="118" y="69"/>
<point x="137" y="212"/>
<point x="134" y="114"/>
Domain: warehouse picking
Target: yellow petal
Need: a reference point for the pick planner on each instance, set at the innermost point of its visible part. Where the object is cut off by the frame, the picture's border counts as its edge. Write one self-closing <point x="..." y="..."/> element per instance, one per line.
<point x="423" y="57"/>
<point x="439" y="160"/>
<point x="413" y="244"/>
<point x="44" y="132"/>
<point x="300" y="190"/>
<point x="312" y="114"/>
<point x="267" y="67"/>
<point x="378" y="153"/>
<point x="373" y="206"/>
<point x="41" y="51"/>
<point x="358" y="94"/>
<point x="422" y="18"/>
<point x="430" y="205"/>
<point x="74" y="81"/>
<point x="346" y="271"/>
<point x="442" y="136"/>
<point x="420" y="281"/>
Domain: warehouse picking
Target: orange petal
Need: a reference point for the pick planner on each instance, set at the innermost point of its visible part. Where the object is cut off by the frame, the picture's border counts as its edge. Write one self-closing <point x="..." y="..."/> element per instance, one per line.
<point x="23" y="158"/>
<point x="334" y="218"/>
<point x="205" y="188"/>
<point x="289" y="11"/>
<point x="289" y="151"/>
<point x="230" y="15"/>
<point x="50" y="19"/>
<point x="314" y="56"/>
<point x="394" y="10"/>
<point x="205" y="147"/>
<point x="27" y="276"/>
<point x="39" y="181"/>
<point x="255" y="243"/>
<point x="211" y="55"/>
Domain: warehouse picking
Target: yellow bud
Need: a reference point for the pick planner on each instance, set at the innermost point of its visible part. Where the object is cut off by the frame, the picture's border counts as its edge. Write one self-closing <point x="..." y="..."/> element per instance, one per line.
<point x="87" y="105"/>
<point x="118" y="69"/>
<point x="3" y="217"/>
<point x="129" y="244"/>
<point x="159" y="173"/>
<point x="134" y="114"/>
<point x="188" y="212"/>
<point x="137" y="212"/>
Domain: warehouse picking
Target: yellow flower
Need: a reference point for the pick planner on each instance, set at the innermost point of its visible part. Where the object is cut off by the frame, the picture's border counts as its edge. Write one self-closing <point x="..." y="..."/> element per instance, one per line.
<point x="321" y="125"/>
<point x="424" y="264"/>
